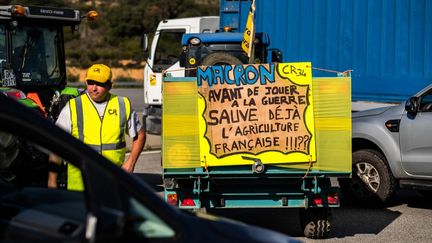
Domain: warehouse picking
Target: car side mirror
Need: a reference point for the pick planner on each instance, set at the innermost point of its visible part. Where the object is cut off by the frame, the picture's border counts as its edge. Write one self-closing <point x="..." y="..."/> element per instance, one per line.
<point x="144" y="43"/>
<point x="412" y="105"/>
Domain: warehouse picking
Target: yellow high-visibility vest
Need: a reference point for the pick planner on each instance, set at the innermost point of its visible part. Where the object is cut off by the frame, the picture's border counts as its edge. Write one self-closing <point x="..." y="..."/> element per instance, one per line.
<point x="106" y="136"/>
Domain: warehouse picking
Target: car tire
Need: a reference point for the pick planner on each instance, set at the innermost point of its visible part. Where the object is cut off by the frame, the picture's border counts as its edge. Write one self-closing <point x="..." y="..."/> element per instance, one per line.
<point x="372" y="183"/>
<point x="315" y="222"/>
<point x="220" y="58"/>
<point x="427" y="194"/>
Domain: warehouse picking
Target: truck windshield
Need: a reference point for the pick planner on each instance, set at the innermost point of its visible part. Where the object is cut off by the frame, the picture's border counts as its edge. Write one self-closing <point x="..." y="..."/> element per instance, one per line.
<point x="35" y="55"/>
<point x="168" y="48"/>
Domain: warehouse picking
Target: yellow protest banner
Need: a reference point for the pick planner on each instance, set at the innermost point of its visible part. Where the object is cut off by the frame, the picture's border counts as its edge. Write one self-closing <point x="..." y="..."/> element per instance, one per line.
<point x="271" y="112"/>
<point x="259" y="111"/>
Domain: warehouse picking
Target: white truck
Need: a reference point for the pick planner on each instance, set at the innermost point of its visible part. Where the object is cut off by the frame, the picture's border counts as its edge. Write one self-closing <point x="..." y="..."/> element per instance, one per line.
<point x="163" y="57"/>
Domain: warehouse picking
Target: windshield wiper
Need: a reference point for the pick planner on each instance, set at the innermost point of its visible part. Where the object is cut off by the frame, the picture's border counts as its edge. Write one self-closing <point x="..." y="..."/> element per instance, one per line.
<point x="31" y="39"/>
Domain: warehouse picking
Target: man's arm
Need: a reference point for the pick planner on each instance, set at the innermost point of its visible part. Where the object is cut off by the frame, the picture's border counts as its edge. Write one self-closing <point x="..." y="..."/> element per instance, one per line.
<point x="64" y="122"/>
<point x="54" y="165"/>
<point x="137" y="147"/>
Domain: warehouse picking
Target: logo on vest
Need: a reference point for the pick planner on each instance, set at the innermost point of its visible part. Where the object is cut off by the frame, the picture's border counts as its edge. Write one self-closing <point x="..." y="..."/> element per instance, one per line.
<point x="112" y="112"/>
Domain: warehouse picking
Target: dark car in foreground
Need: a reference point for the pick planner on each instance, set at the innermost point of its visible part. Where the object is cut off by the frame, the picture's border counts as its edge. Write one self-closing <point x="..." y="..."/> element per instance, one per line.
<point x="114" y="207"/>
<point x="392" y="148"/>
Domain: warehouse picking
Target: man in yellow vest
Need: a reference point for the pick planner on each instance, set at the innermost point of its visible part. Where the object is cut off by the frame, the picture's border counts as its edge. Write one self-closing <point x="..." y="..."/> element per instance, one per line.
<point x="101" y="120"/>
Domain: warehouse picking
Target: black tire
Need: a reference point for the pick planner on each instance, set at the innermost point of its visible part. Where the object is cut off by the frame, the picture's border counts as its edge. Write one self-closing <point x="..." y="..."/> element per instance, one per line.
<point x="315" y="222"/>
<point x="426" y="194"/>
<point x="220" y="58"/>
<point x="372" y="183"/>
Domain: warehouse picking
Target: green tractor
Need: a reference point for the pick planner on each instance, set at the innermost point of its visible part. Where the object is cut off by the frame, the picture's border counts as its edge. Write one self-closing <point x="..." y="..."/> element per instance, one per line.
<point x="33" y="72"/>
<point x="32" y="55"/>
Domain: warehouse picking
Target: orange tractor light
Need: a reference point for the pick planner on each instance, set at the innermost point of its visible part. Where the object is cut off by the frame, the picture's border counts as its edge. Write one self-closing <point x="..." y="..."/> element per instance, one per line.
<point x="18" y="10"/>
<point x="172" y="199"/>
<point x="92" y="15"/>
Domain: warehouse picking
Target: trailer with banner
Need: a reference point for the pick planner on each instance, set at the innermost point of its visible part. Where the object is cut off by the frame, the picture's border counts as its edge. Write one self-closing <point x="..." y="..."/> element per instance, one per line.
<point x="257" y="136"/>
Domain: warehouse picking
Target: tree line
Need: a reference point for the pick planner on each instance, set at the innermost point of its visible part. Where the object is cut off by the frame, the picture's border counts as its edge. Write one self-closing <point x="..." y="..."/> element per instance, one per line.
<point x="117" y="33"/>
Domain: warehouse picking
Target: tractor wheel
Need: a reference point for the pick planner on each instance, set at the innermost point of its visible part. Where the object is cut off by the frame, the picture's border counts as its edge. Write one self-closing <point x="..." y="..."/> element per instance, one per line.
<point x="220" y="58"/>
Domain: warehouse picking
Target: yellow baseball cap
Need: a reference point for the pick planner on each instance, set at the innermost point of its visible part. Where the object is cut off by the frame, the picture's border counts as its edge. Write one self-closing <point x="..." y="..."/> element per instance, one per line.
<point x="99" y="72"/>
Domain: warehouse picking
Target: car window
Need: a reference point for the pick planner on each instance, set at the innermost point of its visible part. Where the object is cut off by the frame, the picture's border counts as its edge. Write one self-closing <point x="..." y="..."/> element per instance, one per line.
<point x="148" y="225"/>
<point x="426" y="102"/>
<point x="21" y="162"/>
<point x="61" y="213"/>
<point x="25" y="164"/>
<point x="24" y="171"/>
<point x="33" y="210"/>
<point x="168" y="48"/>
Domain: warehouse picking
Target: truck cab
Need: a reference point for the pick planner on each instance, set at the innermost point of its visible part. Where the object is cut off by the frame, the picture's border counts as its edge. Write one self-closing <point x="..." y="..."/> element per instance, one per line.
<point x="164" y="57"/>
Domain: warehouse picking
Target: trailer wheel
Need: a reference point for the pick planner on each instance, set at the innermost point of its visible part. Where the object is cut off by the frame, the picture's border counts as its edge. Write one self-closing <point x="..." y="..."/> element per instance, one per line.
<point x="220" y="58"/>
<point x="372" y="183"/>
<point x="315" y="222"/>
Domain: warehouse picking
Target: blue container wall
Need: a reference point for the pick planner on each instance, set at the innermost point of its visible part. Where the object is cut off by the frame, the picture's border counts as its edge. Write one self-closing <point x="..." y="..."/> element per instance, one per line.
<point x="234" y="14"/>
<point x="388" y="43"/>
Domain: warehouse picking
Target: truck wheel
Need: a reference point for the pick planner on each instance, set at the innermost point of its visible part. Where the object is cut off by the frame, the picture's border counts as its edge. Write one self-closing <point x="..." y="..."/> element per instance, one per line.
<point x="220" y="58"/>
<point x="372" y="182"/>
<point x="315" y="222"/>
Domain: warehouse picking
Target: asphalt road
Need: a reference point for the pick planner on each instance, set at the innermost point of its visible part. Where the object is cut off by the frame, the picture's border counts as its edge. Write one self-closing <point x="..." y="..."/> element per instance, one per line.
<point x="408" y="218"/>
<point x="135" y="95"/>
